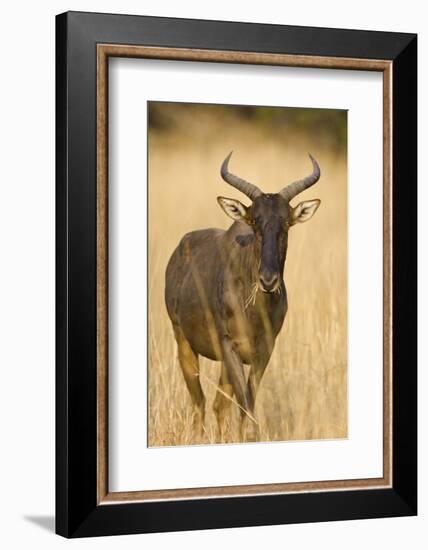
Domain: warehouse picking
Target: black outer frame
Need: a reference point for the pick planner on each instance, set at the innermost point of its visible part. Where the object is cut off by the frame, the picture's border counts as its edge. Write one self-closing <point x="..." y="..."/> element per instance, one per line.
<point x="77" y="513"/>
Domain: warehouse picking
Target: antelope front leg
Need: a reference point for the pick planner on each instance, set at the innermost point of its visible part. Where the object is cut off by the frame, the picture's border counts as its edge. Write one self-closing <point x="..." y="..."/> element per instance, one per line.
<point x="235" y="370"/>
<point x="250" y="430"/>
<point x="222" y="402"/>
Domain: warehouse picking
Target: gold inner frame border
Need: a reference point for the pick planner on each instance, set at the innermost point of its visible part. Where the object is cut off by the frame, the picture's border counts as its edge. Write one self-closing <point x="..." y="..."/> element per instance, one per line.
<point x="104" y="52"/>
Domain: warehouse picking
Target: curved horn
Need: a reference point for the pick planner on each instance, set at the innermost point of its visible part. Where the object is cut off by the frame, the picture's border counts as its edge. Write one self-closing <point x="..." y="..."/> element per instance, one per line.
<point x="298" y="186"/>
<point x="252" y="191"/>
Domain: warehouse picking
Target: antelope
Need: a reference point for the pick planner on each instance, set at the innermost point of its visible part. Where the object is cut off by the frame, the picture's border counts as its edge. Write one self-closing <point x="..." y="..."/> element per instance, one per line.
<point x="225" y="293"/>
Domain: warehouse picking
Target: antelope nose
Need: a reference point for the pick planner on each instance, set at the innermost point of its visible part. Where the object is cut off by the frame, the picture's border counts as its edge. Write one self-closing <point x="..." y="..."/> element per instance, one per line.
<point x="268" y="281"/>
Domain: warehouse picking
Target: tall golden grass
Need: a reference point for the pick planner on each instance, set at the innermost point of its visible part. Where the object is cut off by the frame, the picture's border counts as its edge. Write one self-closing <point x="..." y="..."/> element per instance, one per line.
<point x="303" y="394"/>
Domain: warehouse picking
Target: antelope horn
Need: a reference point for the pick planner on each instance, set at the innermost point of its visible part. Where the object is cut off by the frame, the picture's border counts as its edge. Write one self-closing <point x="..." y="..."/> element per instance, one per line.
<point x="252" y="191"/>
<point x="298" y="186"/>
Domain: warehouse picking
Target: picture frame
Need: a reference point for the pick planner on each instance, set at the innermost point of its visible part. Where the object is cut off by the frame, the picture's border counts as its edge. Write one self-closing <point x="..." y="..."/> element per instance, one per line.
<point x="84" y="44"/>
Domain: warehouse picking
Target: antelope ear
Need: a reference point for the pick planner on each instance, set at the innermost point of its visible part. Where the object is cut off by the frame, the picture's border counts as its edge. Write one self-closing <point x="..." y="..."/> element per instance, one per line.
<point x="304" y="211"/>
<point x="233" y="208"/>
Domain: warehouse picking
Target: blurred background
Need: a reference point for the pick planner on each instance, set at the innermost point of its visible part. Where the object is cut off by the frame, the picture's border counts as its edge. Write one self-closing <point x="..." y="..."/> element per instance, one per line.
<point x="303" y="394"/>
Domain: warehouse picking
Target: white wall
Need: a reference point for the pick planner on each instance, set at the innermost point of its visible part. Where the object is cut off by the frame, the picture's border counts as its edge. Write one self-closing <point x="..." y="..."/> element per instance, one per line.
<point x="27" y="271"/>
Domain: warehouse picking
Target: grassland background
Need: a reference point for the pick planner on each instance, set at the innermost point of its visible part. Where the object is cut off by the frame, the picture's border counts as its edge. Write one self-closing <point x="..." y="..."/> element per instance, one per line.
<point x="303" y="394"/>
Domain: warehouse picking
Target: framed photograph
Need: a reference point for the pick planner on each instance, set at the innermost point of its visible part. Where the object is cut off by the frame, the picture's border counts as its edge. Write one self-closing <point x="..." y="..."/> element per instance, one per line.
<point x="236" y="274"/>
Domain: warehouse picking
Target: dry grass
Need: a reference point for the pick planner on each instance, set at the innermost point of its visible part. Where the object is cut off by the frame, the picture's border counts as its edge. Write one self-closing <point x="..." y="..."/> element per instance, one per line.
<point x="303" y="394"/>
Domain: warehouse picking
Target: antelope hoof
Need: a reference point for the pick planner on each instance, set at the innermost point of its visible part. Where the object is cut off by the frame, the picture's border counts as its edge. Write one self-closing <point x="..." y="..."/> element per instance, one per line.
<point x="198" y="424"/>
<point x="222" y="429"/>
<point x="249" y="431"/>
